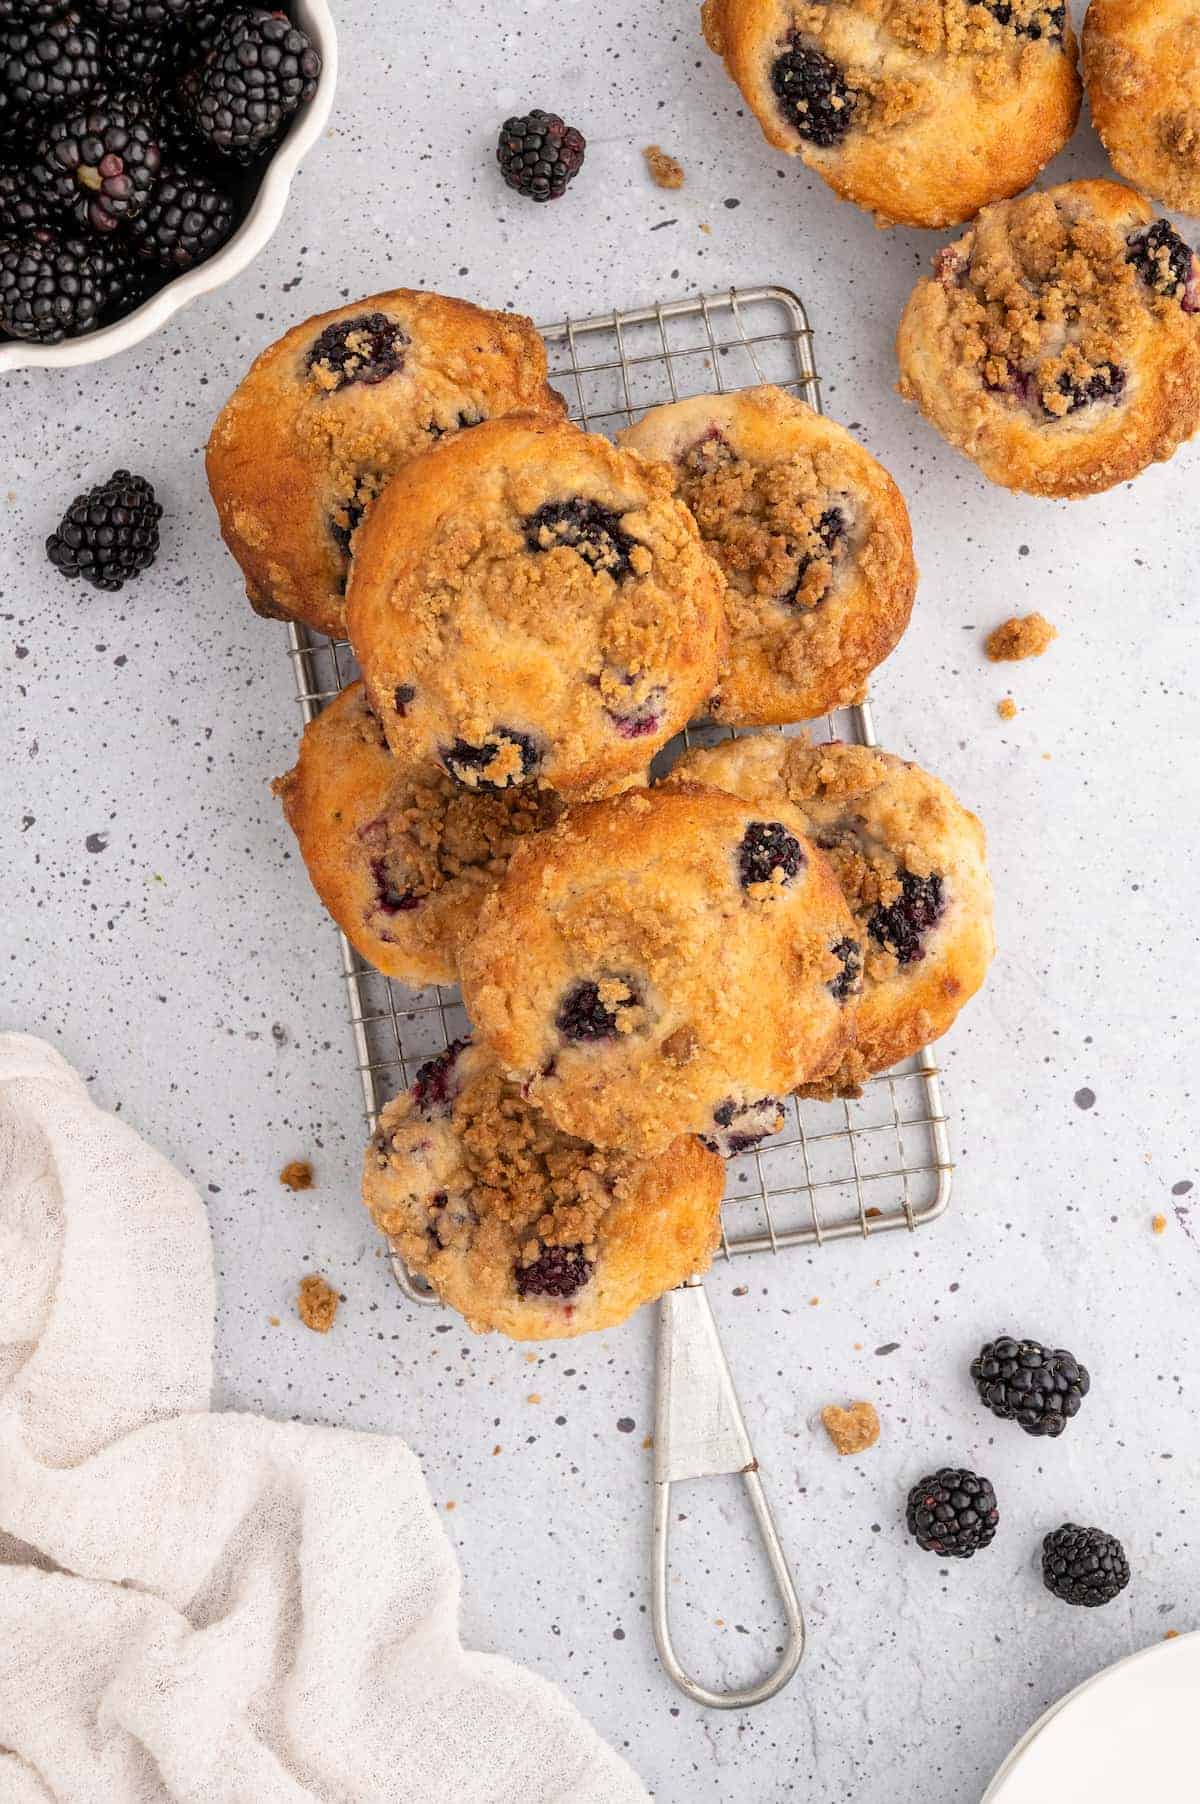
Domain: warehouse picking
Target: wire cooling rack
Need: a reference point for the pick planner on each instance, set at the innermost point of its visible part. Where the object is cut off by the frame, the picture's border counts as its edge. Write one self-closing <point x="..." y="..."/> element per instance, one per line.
<point x="838" y="1170"/>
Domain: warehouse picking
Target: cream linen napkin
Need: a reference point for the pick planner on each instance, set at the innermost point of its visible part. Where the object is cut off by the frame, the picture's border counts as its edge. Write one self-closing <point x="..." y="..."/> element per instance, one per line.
<point x="207" y="1607"/>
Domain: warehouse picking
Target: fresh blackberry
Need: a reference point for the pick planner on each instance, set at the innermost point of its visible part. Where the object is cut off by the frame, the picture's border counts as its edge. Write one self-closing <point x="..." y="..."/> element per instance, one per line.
<point x="1163" y="260"/>
<point x="556" y="1272"/>
<point x="257" y="69"/>
<point x="594" y="532"/>
<point x="766" y="847"/>
<point x="366" y="349"/>
<point x="147" y="60"/>
<point x="126" y="280"/>
<point x="505" y="758"/>
<point x="1107" y="383"/>
<point x="901" y="926"/>
<point x="586" y="1015"/>
<point x="101" y="164"/>
<point x="27" y="10"/>
<point x="45" y="64"/>
<point x="1022" y="1381"/>
<point x="952" y="1513"/>
<point x="538" y="154"/>
<point x="51" y="287"/>
<point x="848" y="981"/>
<point x="813" y="93"/>
<point x="1083" y="1565"/>
<point x="130" y="17"/>
<point x="187" y="219"/>
<point x="109" y="534"/>
<point x="21" y="207"/>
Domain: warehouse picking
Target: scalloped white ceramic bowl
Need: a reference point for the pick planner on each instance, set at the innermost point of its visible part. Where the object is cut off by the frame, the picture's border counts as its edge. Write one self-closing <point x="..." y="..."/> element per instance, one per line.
<point x="266" y="211"/>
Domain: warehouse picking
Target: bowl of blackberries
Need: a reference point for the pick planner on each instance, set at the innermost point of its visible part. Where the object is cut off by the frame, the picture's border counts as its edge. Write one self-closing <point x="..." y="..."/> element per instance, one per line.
<point x="146" y="152"/>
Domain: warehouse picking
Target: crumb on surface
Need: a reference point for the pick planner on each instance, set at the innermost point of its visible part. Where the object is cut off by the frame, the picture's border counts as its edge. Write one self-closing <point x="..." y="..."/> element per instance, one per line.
<point x="1171" y="1635"/>
<point x="317" y="1303"/>
<point x="273" y="1321"/>
<point x="813" y="1301"/>
<point x="1024" y="636"/>
<point x="853" y="1429"/>
<point x="1007" y="709"/>
<point x="450" y="1504"/>
<point x="665" y="170"/>
<point x="534" y="1397"/>
<point x="1159" y="1224"/>
<point x="873" y="1214"/>
<point x="706" y="228"/>
<point x="298" y="1175"/>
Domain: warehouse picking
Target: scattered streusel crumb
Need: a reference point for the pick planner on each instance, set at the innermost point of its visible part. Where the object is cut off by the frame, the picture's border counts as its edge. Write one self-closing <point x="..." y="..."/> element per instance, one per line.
<point x="1007" y="709"/>
<point x="297" y="1176"/>
<point x="852" y="1430"/>
<point x="1171" y="1635"/>
<point x="873" y="1214"/>
<point x="496" y="1449"/>
<point x="741" y="1290"/>
<point x="648" y="1441"/>
<point x="273" y="1321"/>
<point x="706" y="228"/>
<point x="317" y="1303"/>
<point x="813" y="1301"/>
<point x="534" y="1397"/>
<point x="1024" y="636"/>
<point x="1159" y="1224"/>
<point x="665" y="172"/>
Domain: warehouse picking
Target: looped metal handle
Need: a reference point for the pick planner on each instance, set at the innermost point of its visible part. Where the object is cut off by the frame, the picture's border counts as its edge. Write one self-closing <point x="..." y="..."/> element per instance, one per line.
<point x="700" y="1432"/>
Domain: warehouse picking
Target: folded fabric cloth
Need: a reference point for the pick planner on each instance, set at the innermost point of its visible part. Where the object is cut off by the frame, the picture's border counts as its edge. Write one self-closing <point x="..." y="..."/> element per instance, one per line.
<point x="202" y="1606"/>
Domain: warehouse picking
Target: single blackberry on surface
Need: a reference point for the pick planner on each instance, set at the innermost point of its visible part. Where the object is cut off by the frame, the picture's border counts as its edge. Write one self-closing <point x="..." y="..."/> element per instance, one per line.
<point x="1022" y="1381"/>
<point x="45" y="64"/>
<point x="101" y="164"/>
<point x="109" y="534"/>
<point x="584" y="526"/>
<point x="556" y="1272"/>
<point x="187" y="218"/>
<point x="953" y="1513"/>
<point x="586" y="1014"/>
<point x="901" y="926"/>
<point x="538" y="154"/>
<point x="813" y="93"/>
<point x="257" y="69"/>
<point x="766" y="847"/>
<point x="51" y="287"/>
<point x="1083" y="1565"/>
<point x="1164" y="261"/>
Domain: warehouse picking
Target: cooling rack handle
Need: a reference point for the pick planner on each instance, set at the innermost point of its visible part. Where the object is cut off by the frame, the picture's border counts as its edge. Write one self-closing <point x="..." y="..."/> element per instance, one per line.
<point x="700" y="1432"/>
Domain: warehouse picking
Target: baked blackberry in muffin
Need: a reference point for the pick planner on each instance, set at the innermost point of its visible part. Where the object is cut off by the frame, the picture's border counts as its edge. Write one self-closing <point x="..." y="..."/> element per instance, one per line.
<point x="517" y="1225"/>
<point x="400" y="853"/>
<point x="1141" y="66"/>
<point x="542" y="603"/>
<point x="668" y="961"/>
<point x="812" y="536"/>
<point x="910" y="859"/>
<point x="336" y="406"/>
<point x="922" y="111"/>
<point x="1057" y="343"/>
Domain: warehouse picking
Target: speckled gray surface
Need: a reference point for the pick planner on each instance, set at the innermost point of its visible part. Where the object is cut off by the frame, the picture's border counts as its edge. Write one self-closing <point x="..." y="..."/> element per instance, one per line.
<point x="157" y="927"/>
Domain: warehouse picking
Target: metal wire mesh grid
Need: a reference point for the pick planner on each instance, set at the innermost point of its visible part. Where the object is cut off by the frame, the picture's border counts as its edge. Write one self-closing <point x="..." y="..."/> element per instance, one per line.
<point x="840" y="1169"/>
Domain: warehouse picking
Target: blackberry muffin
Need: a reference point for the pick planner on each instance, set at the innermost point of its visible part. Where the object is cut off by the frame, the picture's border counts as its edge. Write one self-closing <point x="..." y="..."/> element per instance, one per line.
<point x="812" y="536"/>
<point x="1057" y="344"/>
<point x="327" y="414"/>
<point x="400" y="854"/>
<point x="532" y="605"/>
<point x="1141" y="66"/>
<point x="910" y="860"/>
<point x="668" y="961"/>
<point x="517" y="1225"/>
<point x="922" y="111"/>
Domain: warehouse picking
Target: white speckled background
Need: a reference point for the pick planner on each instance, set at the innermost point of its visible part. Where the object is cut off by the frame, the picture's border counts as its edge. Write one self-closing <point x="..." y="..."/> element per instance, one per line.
<point x="187" y="969"/>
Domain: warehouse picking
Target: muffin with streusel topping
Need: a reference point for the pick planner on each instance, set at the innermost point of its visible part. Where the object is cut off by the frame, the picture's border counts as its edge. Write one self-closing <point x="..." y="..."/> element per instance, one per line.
<point x="922" y="111"/>
<point x="521" y="1227"/>
<point x="400" y="854"/>
<point x="812" y="536"/>
<point x="336" y="406"/>
<point x="1057" y="343"/>
<point x="531" y="605"/>
<point x="1141" y="66"/>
